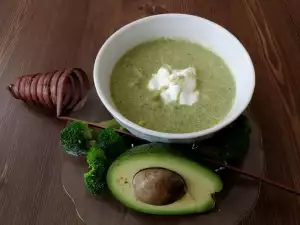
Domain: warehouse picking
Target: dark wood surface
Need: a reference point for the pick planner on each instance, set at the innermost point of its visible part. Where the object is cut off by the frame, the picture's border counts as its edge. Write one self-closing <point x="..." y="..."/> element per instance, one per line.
<point x="40" y="36"/>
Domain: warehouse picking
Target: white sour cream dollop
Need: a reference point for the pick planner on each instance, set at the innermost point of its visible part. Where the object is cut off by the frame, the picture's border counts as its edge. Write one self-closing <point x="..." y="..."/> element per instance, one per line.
<point x="175" y="85"/>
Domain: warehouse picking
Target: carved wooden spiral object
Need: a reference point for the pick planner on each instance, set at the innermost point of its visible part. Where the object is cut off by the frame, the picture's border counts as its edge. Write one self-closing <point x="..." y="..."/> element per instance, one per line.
<point x="60" y="90"/>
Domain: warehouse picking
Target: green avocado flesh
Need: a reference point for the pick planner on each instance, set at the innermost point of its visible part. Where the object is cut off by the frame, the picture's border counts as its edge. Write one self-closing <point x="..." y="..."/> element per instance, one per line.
<point x="200" y="182"/>
<point x="131" y="96"/>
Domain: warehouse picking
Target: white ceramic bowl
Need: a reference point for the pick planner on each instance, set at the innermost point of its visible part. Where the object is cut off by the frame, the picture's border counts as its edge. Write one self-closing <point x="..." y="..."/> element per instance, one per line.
<point x="193" y="28"/>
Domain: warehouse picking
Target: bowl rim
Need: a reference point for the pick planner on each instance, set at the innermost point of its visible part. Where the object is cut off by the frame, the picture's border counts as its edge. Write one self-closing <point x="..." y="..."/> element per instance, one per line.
<point x="179" y="136"/>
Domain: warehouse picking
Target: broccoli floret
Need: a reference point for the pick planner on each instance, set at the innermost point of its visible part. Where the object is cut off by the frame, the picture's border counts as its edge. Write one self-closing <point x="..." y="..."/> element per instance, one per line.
<point x="96" y="157"/>
<point x="95" y="179"/>
<point x="112" y="143"/>
<point x="75" y="138"/>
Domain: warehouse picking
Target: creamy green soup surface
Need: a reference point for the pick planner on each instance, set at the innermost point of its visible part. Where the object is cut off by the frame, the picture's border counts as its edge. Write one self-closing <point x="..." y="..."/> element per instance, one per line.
<point x="132" y="97"/>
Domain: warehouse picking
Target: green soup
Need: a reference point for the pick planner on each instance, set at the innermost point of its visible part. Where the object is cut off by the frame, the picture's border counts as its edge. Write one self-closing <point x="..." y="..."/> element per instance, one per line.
<point x="130" y="93"/>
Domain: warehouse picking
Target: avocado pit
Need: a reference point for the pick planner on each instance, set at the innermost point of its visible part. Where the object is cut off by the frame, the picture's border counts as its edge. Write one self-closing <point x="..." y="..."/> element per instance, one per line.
<point x="158" y="186"/>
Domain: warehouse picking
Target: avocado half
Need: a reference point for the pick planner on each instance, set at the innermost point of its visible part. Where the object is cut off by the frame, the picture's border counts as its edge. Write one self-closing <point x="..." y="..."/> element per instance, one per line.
<point x="200" y="182"/>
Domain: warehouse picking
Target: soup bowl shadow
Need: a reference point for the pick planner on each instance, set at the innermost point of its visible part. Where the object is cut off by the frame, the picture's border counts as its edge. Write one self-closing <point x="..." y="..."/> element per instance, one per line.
<point x="176" y="26"/>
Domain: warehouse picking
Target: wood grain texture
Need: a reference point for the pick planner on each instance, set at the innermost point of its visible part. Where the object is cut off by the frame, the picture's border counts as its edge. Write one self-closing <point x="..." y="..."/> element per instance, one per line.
<point x="293" y="8"/>
<point x="40" y="36"/>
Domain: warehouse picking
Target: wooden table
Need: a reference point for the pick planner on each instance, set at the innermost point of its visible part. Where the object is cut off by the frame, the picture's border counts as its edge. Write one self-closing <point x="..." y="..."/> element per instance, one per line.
<point x="40" y="36"/>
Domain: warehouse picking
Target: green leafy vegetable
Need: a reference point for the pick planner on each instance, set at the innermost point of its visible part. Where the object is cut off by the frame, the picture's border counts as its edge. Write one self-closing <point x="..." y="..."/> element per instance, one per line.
<point x="111" y="124"/>
<point x="231" y="143"/>
<point x="234" y="140"/>
<point x="112" y="143"/>
<point x="228" y="145"/>
<point x="75" y="138"/>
